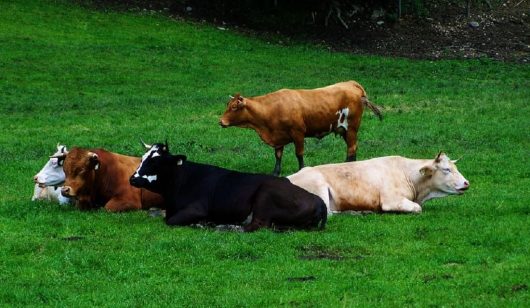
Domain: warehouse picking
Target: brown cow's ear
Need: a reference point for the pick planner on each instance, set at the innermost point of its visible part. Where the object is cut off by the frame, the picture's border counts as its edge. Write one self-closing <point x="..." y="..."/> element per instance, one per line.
<point x="241" y="102"/>
<point x="427" y="170"/>
<point x="93" y="160"/>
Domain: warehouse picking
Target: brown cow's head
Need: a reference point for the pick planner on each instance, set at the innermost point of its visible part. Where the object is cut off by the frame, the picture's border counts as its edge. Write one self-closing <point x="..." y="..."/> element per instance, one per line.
<point x="443" y="177"/>
<point x="79" y="167"/>
<point x="235" y="112"/>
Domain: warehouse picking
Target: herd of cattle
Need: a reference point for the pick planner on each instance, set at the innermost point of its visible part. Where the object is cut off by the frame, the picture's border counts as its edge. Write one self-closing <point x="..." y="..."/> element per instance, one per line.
<point x="196" y="193"/>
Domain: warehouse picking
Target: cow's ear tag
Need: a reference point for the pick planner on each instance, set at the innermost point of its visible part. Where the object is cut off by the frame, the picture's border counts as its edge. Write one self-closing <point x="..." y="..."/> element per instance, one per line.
<point x="96" y="167"/>
<point x="180" y="162"/>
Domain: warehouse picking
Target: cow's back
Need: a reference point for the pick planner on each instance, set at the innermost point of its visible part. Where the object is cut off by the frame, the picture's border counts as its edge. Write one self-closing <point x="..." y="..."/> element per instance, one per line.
<point x="356" y="186"/>
<point x="315" y="109"/>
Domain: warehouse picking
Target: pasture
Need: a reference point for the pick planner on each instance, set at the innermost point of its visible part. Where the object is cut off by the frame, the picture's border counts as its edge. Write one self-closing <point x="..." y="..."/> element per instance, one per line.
<point x="93" y="78"/>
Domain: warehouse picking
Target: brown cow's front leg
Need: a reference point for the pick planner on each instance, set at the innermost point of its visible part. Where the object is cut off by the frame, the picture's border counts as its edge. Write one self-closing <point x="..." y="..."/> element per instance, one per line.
<point x="278" y="152"/>
<point x="122" y="205"/>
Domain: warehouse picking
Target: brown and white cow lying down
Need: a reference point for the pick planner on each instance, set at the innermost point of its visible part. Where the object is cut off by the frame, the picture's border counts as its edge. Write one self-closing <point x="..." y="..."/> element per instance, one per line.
<point x="287" y="116"/>
<point x="392" y="183"/>
<point x="98" y="178"/>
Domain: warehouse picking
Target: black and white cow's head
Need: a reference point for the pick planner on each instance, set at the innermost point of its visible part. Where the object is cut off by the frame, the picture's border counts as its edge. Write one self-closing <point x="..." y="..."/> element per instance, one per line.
<point x="52" y="174"/>
<point x="154" y="169"/>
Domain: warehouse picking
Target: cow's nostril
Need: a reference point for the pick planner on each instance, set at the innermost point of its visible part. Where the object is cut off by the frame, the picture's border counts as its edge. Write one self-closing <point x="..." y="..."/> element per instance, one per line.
<point x="466" y="183"/>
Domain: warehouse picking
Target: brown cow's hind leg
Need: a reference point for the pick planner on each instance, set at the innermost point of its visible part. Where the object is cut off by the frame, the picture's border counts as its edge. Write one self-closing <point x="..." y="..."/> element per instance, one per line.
<point x="299" y="149"/>
<point x="350" y="137"/>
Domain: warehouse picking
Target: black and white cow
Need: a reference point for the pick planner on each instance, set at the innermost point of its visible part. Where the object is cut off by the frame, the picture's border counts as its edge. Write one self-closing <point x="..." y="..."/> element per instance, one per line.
<point x="50" y="180"/>
<point x="197" y="193"/>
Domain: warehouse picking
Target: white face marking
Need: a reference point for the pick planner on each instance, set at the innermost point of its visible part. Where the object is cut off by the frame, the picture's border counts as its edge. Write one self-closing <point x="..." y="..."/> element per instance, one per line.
<point x="342" y="121"/>
<point x="150" y="178"/>
<point x="144" y="157"/>
<point x="52" y="174"/>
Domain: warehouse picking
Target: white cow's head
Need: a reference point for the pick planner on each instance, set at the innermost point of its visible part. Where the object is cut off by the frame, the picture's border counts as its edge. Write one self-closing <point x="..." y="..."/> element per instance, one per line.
<point x="52" y="173"/>
<point x="443" y="177"/>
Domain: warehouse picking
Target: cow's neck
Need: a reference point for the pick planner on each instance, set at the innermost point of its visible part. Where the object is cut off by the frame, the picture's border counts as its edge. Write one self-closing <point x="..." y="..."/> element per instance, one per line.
<point x="258" y="114"/>
<point x="260" y="121"/>
<point x="419" y="184"/>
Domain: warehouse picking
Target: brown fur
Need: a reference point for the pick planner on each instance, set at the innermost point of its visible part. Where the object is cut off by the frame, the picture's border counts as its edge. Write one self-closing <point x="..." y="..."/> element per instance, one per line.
<point x="287" y="116"/>
<point x="107" y="186"/>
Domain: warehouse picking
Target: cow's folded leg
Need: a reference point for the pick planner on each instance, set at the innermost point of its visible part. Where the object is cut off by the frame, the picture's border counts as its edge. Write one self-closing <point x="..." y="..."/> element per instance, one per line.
<point x="193" y="213"/>
<point x="404" y="205"/>
<point x="118" y="205"/>
<point x="255" y="225"/>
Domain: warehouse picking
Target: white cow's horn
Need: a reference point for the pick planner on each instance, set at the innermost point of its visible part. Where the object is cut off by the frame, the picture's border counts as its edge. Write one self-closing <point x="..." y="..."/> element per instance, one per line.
<point x="147" y="146"/>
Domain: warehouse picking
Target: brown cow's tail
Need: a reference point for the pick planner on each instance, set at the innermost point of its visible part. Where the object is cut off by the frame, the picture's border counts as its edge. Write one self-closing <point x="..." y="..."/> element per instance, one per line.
<point x="375" y="109"/>
<point x="364" y="99"/>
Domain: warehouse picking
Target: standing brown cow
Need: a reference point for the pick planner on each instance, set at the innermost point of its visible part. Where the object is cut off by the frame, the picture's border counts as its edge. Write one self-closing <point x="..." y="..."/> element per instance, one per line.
<point x="97" y="177"/>
<point x="287" y="116"/>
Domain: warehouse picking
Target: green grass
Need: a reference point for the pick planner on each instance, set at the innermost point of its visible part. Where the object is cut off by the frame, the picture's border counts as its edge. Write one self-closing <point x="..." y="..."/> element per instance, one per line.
<point x="104" y="79"/>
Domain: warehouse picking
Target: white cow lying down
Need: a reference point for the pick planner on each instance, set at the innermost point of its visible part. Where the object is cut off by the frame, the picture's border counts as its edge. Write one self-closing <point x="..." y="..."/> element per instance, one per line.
<point x="391" y="183"/>
<point x="49" y="180"/>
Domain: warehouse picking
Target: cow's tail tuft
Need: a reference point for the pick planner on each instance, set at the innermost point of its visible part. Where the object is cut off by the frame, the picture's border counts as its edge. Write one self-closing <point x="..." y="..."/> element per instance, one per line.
<point x="364" y="99"/>
<point x="375" y="109"/>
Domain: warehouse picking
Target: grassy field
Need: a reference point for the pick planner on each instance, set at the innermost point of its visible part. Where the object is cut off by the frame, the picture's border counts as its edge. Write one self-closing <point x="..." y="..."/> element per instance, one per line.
<point x="103" y="79"/>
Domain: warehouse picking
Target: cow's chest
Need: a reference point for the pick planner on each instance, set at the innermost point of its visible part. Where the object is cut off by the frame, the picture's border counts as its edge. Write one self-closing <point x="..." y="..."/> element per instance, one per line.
<point x="275" y="137"/>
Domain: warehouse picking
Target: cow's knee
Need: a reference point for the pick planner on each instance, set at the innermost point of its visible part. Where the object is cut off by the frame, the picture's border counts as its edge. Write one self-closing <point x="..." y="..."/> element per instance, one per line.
<point x="404" y="206"/>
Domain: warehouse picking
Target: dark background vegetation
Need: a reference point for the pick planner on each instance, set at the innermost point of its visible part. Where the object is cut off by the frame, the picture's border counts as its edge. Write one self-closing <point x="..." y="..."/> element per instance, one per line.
<point x="407" y="28"/>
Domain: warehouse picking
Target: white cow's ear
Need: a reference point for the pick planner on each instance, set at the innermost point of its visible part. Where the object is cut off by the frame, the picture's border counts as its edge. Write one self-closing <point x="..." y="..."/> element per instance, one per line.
<point x="427" y="170"/>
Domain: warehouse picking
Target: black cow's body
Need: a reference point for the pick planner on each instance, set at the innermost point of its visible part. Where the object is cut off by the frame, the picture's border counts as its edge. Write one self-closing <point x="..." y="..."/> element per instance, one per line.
<point x="204" y="193"/>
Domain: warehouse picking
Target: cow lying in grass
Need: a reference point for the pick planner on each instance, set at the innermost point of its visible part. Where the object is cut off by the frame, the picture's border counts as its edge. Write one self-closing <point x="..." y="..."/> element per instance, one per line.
<point x="49" y="180"/>
<point x="197" y="193"/>
<point x="95" y="178"/>
<point x="387" y="184"/>
<point x="287" y="116"/>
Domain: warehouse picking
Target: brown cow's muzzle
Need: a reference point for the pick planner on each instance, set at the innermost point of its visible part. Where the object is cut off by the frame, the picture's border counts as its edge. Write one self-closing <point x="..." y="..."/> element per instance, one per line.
<point x="223" y="123"/>
<point x="66" y="191"/>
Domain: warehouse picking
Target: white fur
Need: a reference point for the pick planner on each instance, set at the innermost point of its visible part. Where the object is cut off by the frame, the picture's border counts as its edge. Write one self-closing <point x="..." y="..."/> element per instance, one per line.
<point x="49" y="193"/>
<point x="343" y="123"/>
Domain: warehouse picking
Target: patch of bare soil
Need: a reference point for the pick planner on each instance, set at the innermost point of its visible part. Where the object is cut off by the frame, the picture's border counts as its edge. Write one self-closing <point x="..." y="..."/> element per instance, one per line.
<point x="502" y="34"/>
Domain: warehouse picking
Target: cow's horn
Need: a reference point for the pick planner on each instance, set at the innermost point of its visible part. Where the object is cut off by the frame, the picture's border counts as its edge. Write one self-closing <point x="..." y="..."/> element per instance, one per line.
<point x="147" y="146"/>
<point x="231" y="97"/>
<point x="59" y="155"/>
<point x="437" y="159"/>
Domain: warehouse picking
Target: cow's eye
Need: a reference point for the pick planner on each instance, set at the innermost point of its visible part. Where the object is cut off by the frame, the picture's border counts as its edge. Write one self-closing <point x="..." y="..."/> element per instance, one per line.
<point x="446" y="170"/>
